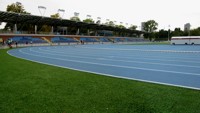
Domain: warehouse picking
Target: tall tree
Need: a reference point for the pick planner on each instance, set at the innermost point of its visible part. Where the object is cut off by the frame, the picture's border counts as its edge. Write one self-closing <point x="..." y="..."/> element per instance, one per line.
<point x="133" y="27"/>
<point x="120" y="26"/>
<point x="110" y="23"/>
<point x="150" y="26"/>
<point x="55" y="15"/>
<point x="195" y="32"/>
<point x="75" y="18"/>
<point x="161" y="35"/>
<point x="177" y="32"/>
<point x="88" y="20"/>
<point x="17" y="8"/>
<point x="47" y="28"/>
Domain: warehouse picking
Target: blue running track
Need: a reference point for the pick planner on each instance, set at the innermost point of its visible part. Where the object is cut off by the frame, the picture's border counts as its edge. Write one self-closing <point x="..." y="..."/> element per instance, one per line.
<point x="162" y="64"/>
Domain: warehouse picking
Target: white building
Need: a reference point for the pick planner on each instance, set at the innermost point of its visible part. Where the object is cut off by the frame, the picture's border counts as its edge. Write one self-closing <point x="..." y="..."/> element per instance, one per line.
<point x="187" y="27"/>
<point x="142" y="26"/>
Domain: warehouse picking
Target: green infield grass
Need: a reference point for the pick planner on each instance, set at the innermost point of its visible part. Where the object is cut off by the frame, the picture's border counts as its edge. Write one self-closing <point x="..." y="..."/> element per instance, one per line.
<point x="29" y="87"/>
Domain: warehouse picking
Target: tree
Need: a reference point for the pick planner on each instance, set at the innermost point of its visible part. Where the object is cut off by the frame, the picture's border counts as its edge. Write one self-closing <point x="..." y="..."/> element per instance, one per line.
<point x="150" y="26"/>
<point x="75" y="18"/>
<point x="110" y="23"/>
<point x="47" y="28"/>
<point x="17" y="8"/>
<point x="88" y="20"/>
<point x="195" y="32"/>
<point x="161" y="35"/>
<point x="177" y="32"/>
<point x="120" y="26"/>
<point x="133" y="27"/>
<point x="55" y="15"/>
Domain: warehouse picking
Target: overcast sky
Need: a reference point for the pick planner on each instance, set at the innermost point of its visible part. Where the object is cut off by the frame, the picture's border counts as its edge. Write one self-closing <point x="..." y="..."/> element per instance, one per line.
<point x="166" y="12"/>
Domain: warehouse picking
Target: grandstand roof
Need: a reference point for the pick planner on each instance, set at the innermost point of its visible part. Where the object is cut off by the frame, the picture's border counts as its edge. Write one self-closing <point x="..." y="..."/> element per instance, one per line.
<point x="38" y="20"/>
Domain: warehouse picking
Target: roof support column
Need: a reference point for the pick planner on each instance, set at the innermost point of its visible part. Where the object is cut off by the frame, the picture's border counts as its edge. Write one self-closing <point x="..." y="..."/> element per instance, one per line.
<point x="88" y="32"/>
<point x="95" y="33"/>
<point x="66" y="30"/>
<point x="52" y="29"/>
<point x="35" y="29"/>
<point x="15" y="28"/>
<point x="77" y="32"/>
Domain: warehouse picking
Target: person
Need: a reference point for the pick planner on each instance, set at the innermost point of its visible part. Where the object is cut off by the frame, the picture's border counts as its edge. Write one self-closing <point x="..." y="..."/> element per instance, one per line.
<point x="31" y="43"/>
<point x="9" y="42"/>
<point x="16" y="44"/>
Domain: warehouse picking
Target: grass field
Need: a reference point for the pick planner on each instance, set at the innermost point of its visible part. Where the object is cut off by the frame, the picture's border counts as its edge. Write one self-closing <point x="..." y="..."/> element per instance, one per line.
<point x="28" y="87"/>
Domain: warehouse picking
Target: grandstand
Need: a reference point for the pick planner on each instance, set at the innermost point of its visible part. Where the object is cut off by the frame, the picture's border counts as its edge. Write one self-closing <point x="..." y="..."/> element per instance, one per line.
<point x="63" y="40"/>
<point x="25" y="40"/>
<point x="59" y="33"/>
<point x="88" y="39"/>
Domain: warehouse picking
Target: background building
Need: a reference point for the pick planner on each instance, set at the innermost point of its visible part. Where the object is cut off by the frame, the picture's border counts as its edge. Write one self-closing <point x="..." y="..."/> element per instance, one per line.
<point x="142" y="26"/>
<point x="187" y="27"/>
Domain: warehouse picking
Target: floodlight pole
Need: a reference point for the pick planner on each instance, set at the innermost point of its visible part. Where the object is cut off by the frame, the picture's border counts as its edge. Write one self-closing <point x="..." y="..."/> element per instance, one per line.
<point x="99" y="20"/>
<point x="61" y="17"/>
<point x="127" y="25"/>
<point x="76" y="14"/>
<point x="15" y="25"/>
<point x="40" y="8"/>
<point x="88" y="17"/>
<point x="62" y="11"/>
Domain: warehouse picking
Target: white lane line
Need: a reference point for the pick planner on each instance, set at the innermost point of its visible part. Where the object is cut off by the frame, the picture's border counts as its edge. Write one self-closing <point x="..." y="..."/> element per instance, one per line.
<point x="171" y="51"/>
<point x="129" y="55"/>
<point x="133" y="58"/>
<point x="148" y="81"/>
<point x="128" y="61"/>
<point x="110" y="65"/>
<point x="97" y="52"/>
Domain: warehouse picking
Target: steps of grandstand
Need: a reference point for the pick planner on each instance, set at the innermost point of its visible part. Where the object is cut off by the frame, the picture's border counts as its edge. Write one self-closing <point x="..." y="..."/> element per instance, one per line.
<point x="98" y="40"/>
<point x="76" y="39"/>
<point x="47" y="40"/>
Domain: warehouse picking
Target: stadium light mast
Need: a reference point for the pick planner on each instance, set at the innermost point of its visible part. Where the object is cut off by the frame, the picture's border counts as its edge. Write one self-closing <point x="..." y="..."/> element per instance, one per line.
<point x="19" y="13"/>
<point x="98" y="20"/>
<point x="107" y="21"/>
<point x="42" y="10"/>
<point x="61" y="17"/>
<point x="61" y="11"/>
<point x="76" y="14"/>
<point x="121" y="23"/>
<point x="88" y="16"/>
<point x="126" y="25"/>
